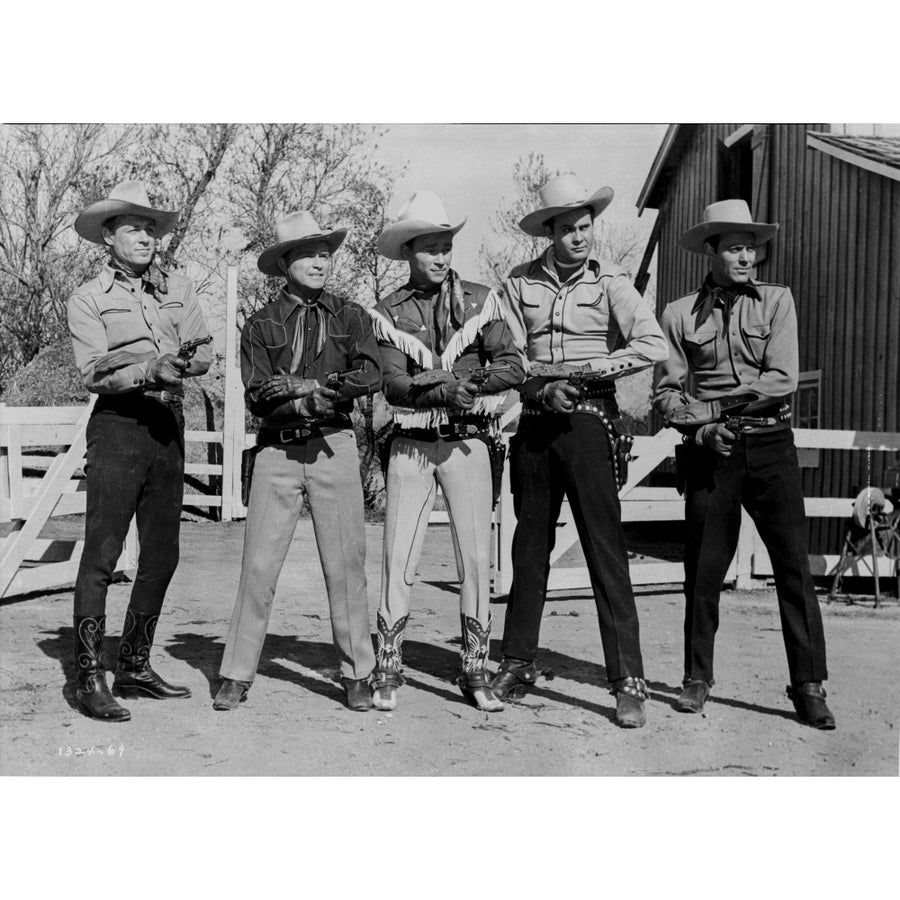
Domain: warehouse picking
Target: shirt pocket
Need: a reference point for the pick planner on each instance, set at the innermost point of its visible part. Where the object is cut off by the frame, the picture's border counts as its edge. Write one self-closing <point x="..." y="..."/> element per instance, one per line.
<point x="121" y="325"/>
<point x="702" y="352"/>
<point x="756" y="339"/>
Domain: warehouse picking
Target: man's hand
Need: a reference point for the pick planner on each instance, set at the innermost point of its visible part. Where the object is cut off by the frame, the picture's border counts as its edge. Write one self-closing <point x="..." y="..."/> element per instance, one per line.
<point x="700" y="412"/>
<point x="168" y="371"/>
<point x="286" y="387"/>
<point x="560" y="396"/>
<point x="718" y="438"/>
<point x="431" y="377"/>
<point x="320" y="402"/>
<point x="460" y="394"/>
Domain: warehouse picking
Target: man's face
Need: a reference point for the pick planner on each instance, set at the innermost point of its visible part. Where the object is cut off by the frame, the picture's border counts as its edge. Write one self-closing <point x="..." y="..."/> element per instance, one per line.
<point x="733" y="259"/>
<point x="429" y="258"/>
<point x="132" y="239"/>
<point x="572" y="233"/>
<point x="307" y="266"/>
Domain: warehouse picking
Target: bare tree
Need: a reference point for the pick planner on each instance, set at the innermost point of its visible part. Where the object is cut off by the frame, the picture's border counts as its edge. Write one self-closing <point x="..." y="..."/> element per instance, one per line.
<point x="45" y="174"/>
<point x="510" y="245"/>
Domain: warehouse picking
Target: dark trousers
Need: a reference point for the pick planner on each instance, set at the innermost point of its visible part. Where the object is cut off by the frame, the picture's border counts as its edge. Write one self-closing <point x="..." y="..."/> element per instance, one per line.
<point x="761" y="475"/>
<point x="553" y="456"/>
<point x="135" y="466"/>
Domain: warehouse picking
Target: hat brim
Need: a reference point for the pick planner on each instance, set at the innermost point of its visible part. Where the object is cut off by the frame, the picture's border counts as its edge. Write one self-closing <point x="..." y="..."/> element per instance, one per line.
<point x="89" y="224"/>
<point x="268" y="259"/>
<point x="694" y="239"/>
<point x="533" y="224"/>
<point x="395" y="235"/>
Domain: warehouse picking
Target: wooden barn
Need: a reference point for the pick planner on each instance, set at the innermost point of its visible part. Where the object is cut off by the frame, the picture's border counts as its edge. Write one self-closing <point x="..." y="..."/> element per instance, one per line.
<point x="835" y="190"/>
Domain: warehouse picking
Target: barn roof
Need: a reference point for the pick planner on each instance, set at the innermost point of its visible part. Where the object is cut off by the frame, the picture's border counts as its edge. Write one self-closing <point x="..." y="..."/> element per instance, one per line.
<point x="875" y="153"/>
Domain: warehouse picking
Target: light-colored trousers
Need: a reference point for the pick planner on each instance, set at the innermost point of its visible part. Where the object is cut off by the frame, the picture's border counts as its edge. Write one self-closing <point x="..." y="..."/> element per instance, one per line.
<point x="462" y="468"/>
<point x="328" y="470"/>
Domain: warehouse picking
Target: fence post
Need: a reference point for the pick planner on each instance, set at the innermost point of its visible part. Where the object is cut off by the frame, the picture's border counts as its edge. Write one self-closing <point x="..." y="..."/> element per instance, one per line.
<point x="233" y="418"/>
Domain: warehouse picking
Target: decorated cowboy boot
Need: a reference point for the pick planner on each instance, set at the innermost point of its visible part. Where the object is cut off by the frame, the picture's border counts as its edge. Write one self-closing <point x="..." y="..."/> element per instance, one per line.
<point x="91" y="689"/>
<point x="474" y="681"/>
<point x="133" y="673"/>
<point x="388" y="674"/>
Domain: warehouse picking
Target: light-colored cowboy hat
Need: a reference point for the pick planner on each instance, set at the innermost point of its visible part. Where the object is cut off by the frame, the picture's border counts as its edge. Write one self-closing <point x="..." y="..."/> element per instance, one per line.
<point x="128" y="198"/>
<point x="726" y="215"/>
<point x="293" y="230"/>
<point x="423" y="213"/>
<point x="562" y="193"/>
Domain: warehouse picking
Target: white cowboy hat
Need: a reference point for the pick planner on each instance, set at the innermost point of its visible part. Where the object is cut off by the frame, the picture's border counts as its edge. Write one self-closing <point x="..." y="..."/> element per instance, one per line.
<point x="562" y="193"/>
<point x="726" y="215"/>
<point x="128" y="198"/>
<point x="293" y="230"/>
<point x="423" y="213"/>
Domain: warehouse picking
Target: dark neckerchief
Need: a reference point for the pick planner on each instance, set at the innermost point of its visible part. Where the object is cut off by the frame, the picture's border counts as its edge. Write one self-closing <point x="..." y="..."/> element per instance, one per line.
<point x="711" y="293"/>
<point x="154" y="278"/>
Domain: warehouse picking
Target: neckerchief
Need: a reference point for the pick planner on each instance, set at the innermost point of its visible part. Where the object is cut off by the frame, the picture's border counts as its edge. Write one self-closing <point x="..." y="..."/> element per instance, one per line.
<point x="711" y="294"/>
<point x="153" y="277"/>
<point x="302" y="329"/>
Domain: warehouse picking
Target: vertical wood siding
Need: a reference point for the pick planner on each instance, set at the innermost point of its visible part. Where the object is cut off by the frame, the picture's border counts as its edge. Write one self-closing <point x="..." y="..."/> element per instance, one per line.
<point x="838" y="249"/>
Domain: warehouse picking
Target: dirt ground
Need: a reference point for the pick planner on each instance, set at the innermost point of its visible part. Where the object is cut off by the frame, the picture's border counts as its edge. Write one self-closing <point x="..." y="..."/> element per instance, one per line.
<point x="294" y="722"/>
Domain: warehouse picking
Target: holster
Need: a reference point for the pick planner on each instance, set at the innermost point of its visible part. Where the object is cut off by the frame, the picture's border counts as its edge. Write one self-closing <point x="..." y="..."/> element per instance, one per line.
<point x="384" y="451"/>
<point x="248" y="460"/>
<point x="497" y="455"/>
<point x="622" y="444"/>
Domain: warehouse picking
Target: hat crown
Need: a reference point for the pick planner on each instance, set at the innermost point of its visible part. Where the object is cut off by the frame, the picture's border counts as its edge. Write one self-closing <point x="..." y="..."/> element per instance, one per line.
<point x="297" y="226"/>
<point x="425" y="206"/>
<point x="735" y="211"/>
<point x="563" y="190"/>
<point x="131" y="192"/>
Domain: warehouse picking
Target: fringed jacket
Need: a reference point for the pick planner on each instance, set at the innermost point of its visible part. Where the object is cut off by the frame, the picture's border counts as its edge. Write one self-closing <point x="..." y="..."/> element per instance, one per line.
<point x="415" y="336"/>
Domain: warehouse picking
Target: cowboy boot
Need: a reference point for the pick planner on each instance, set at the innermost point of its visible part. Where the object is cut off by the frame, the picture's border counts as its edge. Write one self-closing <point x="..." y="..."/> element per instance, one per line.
<point x="91" y="689"/>
<point x="630" y="694"/>
<point x="514" y="678"/>
<point x="388" y="674"/>
<point x="473" y="680"/>
<point x="809" y="701"/>
<point x="133" y="673"/>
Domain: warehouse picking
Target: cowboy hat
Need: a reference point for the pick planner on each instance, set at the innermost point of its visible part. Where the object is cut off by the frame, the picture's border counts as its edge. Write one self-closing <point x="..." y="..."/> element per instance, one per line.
<point x="293" y="230"/>
<point x="128" y="198"/>
<point x="562" y="193"/>
<point x="423" y="213"/>
<point x="726" y="215"/>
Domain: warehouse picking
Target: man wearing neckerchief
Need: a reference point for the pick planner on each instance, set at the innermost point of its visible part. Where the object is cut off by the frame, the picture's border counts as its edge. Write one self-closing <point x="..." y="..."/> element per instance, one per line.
<point x="127" y="326"/>
<point x="734" y="346"/>
<point x="433" y="334"/>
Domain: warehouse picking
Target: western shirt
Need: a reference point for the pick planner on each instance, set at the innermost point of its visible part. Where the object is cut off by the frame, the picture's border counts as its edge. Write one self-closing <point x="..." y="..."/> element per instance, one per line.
<point x="757" y="351"/>
<point x="337" y="336"/>
<point x="596" y="314"/>
<point x="121" y="325"/>
<point x="415" y="313"/>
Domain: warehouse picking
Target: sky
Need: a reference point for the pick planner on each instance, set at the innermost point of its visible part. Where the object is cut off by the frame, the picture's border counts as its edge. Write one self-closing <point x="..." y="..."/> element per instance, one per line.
<point x="470" y="167"/>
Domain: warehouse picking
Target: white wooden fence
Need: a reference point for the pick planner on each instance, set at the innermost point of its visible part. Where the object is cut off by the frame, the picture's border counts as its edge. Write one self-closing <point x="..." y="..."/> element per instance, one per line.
<point x="29" y="562"/>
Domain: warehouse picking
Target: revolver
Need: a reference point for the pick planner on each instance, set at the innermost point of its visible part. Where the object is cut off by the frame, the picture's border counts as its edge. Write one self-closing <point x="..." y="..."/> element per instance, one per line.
<point x="479" y="374"/>
<point x="189" y="348"/>
<point x="335" y="380"/>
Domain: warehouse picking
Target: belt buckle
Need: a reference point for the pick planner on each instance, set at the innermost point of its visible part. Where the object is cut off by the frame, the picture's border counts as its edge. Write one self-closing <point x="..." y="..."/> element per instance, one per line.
<point x="286" y="435"/>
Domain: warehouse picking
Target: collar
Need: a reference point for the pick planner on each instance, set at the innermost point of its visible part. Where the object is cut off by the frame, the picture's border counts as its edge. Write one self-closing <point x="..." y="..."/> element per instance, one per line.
<point x="286" y="303"/>
<point x="157" y="279"/>
<point x="546" y="261"/>
<point x="708" y="286"/>
<point x="410" y="290"/>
